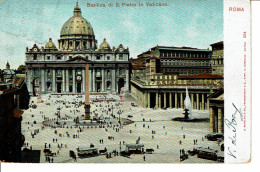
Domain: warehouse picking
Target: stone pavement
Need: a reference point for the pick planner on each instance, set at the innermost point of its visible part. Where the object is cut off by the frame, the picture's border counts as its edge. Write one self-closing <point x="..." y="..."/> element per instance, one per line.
<point x="165" y="141"/>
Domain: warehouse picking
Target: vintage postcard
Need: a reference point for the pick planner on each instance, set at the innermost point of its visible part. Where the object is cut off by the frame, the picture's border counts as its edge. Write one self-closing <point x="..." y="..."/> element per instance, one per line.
<point x="119" y="81"/>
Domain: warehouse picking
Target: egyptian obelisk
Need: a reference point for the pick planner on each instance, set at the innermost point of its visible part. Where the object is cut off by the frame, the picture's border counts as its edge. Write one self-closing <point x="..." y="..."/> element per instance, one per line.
<point x="87" y="105"/>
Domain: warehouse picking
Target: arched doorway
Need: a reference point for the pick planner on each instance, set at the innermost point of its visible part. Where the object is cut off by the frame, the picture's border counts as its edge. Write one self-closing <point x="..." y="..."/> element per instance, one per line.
<point x="121" y="83"/>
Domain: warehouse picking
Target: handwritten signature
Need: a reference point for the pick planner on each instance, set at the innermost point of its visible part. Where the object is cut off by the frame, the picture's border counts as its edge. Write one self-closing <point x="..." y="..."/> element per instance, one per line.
<point x="232" y="125"/>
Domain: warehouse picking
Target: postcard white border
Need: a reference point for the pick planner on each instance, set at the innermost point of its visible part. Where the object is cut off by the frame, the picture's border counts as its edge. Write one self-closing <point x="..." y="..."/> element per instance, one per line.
<point x="237" y="80"/>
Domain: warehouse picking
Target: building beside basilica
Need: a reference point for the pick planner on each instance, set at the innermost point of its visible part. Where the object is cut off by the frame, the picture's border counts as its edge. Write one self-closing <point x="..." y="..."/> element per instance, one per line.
<point x="160" y="77"/>
<point x="60" y="70"/>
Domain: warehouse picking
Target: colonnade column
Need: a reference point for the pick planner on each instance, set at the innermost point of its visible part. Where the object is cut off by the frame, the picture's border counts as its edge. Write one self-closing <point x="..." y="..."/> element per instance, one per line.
<point x="220" y="121"/>
<point x="53" y="80"/>
<point x="211" y="119"/>
<point x="156" y="101"/>
<point x="42" y="81"/>
<point x="103" y="80"/>
<point x="181" y="100"/>
<point x="83" y="80"/>
<point x="207" y="101"/>
<point x="63" y="80"/>
<point x="94" y="81"/>
<point x="67" y="80"/>
<point x="160" y="100"/>
<point x="192" y="100"/>
<point x="197" y="100"/>
<point x="164" y="102"/>
<point x="148" y="100"/>
<point x="170" y="97"/>
<point x="176" y="100"/>
<point x="74" y="80"/>
<point x="202" y="101"/>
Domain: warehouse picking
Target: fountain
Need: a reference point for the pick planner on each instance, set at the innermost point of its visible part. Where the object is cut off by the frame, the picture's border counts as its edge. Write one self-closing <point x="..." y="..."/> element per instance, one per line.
<point x="187" y="111"/>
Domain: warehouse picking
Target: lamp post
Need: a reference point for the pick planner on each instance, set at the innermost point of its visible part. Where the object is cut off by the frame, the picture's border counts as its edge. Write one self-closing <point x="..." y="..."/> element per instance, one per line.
<point x="119" y="113"/>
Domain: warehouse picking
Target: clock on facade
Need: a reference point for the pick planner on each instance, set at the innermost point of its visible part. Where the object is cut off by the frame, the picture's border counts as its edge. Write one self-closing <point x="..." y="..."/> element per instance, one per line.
<point x="79" y="78"/>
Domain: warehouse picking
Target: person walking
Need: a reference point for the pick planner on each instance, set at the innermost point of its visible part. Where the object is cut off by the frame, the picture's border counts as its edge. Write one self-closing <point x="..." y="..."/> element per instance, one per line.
<point x="144" y="157"/>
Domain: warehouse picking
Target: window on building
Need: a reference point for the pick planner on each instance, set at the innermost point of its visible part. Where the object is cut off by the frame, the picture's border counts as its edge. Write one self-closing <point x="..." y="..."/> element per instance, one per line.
<point x="48" y="57"/>
<point x="59" y="57"/>
<point x="70" y="57"/>
<point x="120" y="71"/>
<point x="34" y="56"/>
<point x="98" y="57"/>
<point x="108" y="57"/>
<point x="120" y="56"/>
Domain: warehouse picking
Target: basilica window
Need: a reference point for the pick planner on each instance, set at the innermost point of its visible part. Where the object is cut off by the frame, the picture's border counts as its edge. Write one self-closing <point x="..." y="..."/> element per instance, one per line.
<point x="120" y="56"/>
<point x="48" y="57"/>
<point x="108" y="57"/>
<point x="98" y="57"/>
<point x="35" y="57"/>
<point x="120" y="71"/>
<point x="58" y="57"/>
<point x="59" y="72"/>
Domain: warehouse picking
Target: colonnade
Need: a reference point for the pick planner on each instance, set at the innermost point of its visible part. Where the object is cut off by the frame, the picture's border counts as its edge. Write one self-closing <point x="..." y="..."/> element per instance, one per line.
<point x="174" y="99"/>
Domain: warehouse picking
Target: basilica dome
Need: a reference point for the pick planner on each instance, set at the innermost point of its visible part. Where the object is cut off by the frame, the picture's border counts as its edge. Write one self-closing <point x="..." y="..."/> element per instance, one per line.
<point x="50" y="45"/>
<point x="104" y="45"/>
<point x="76" y="25"/>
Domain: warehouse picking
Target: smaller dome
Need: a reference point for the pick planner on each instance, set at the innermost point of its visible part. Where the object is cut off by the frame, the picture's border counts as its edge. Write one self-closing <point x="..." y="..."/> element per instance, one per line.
<point x="104" y="45"/>
<point x="50" y="45"/>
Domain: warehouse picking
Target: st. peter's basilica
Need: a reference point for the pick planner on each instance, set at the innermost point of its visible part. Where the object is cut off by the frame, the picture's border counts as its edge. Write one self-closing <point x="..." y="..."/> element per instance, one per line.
<point x="61" y="70"/>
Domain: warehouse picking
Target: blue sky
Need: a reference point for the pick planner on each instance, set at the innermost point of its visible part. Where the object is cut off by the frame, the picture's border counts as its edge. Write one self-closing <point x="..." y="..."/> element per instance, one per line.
<point x="195" y="23"/>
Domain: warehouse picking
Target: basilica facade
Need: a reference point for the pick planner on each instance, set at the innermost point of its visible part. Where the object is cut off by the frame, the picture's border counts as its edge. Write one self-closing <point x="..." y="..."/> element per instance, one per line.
<point x="60" y="70"/>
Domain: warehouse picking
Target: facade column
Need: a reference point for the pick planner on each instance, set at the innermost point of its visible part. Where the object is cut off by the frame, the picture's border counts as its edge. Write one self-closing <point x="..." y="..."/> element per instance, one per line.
<point x="127" y="81"/>
<point x="192" y="100"/>
<point x="63" y="80"/>
<point x="170" y="96"/>
<point x="157" y="100"/>
<point x="220" y="121"/>
<point x="160" y="100"/>
<point x="67" y="80"/>
<point x="176" y="100"/>
<point x="83" y="81"/>
<point x="181" y="94"/>
<point x="53" y="81"/>
<point x="202" y="101"/>
<point x="113" y="80"/>
<point x="164" y="102"/>
<point x="94" y="80"/>
<point x="42" y="81"/>
<point x="74" y="80"/>
<point x="211" y="119"/>
<point x="198" y="100"/>
<point x="103" y="80"/>
<point x="29" y="81"/>
<point x="149" y="105"/>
